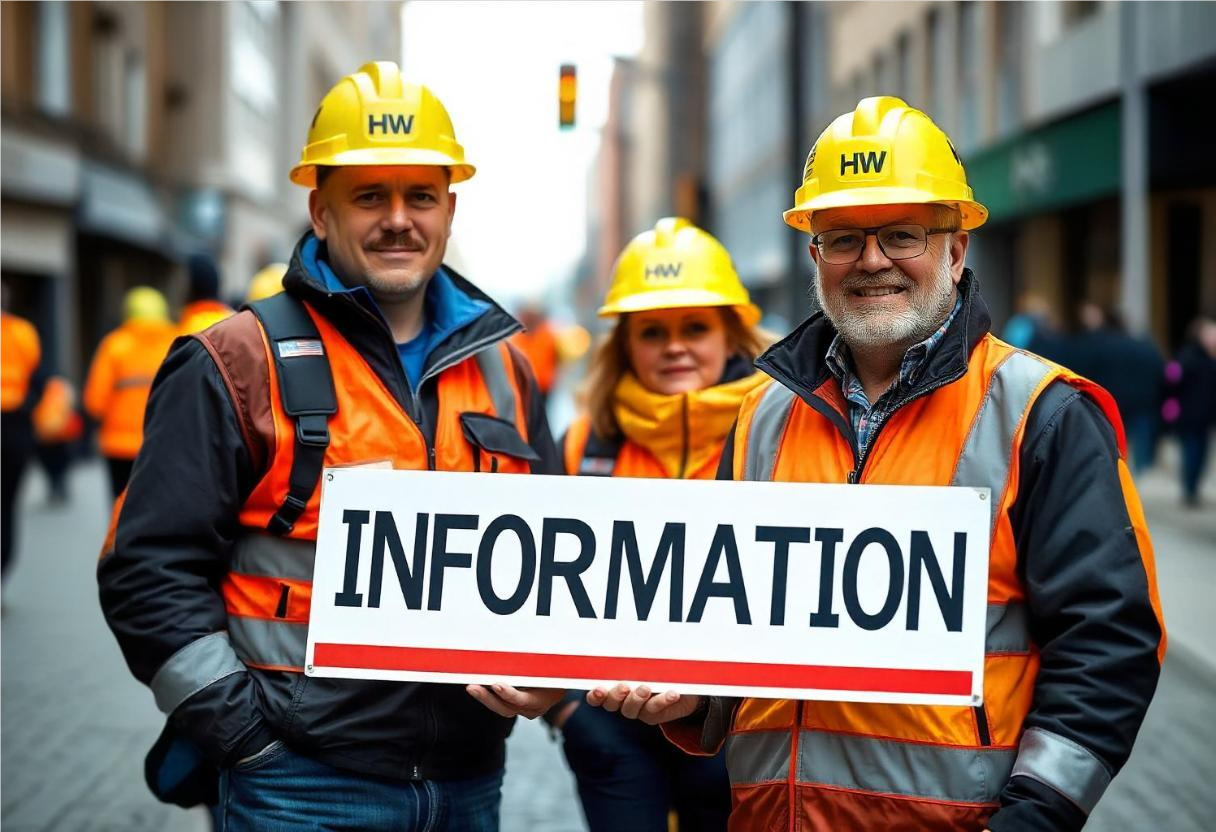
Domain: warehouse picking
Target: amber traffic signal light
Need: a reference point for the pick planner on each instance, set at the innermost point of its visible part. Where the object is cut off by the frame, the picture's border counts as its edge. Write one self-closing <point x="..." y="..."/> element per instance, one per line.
<point x="567" y="93"/>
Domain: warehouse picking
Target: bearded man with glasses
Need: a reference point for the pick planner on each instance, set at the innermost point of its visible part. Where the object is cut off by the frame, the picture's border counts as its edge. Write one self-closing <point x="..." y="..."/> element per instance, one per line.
<point x="898" y="381"/>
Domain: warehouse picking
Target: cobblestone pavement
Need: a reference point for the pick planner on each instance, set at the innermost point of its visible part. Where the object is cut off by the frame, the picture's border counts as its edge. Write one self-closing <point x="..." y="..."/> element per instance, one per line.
<point x="75" y="725"/>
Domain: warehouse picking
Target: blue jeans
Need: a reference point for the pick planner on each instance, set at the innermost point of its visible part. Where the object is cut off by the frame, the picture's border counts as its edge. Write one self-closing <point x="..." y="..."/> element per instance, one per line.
<point x="629" y="776"/>
<point x="1142" y="439"/>
<point x="1194" y="460"/>
<point x="281" y="791"/>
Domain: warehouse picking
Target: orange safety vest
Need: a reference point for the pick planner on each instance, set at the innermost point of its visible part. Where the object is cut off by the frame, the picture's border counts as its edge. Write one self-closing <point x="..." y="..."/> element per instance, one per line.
<point x="55" y="418"/>
<point x="853" y="766"/>
<point x="540" y="346"/>
<point x="20" y="352"/>
<point x="120" y="381"/>
<point x="268" y="589"/>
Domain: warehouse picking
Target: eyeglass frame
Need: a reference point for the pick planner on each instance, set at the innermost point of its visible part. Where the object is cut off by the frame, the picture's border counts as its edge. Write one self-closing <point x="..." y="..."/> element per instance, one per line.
<point x="867" y="233"/>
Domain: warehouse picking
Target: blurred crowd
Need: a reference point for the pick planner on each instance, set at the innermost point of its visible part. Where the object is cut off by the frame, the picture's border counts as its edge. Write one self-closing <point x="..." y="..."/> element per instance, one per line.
<point x="1158" y="395"/>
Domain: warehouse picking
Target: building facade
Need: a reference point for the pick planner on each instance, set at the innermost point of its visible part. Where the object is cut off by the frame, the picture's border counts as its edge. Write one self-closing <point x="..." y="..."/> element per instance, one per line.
<point x="137" y="133"/>
<point x="1079" y="124"/>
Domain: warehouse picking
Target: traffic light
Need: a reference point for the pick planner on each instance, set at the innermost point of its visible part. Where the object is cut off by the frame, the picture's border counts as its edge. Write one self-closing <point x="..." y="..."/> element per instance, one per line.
<point x="567" y="93"/>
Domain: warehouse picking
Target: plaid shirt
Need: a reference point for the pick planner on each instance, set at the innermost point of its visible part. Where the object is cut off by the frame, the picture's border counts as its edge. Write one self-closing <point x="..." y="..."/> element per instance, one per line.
<point x="863" y="414"/>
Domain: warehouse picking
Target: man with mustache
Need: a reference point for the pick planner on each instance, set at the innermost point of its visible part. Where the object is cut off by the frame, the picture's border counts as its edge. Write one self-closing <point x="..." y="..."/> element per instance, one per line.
<point x="898" y="381"/>
<point x="377" y="354"/>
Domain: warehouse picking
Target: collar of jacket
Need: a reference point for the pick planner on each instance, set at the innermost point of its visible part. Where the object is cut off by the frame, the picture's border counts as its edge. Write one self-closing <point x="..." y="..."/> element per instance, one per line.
<point x="683" y="430"/>
<point x="351" y="311"/>
<point x="798" y="361"/>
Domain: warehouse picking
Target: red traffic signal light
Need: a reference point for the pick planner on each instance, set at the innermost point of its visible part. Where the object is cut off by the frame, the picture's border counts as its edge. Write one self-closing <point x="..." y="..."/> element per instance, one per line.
<point x="567" y="93"/>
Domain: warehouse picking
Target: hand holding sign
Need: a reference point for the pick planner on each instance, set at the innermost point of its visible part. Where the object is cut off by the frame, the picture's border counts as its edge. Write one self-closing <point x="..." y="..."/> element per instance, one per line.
<point x="505" y="700"/>
<point x="643" y="704"/>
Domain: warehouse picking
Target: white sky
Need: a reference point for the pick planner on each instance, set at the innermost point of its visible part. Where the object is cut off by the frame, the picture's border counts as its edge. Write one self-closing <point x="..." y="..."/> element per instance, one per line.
<point x="521" y="221"/>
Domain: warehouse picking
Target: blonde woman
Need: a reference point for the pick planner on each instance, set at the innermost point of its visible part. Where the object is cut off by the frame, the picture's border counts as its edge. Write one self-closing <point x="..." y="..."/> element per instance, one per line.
<point x="661" y="396"/>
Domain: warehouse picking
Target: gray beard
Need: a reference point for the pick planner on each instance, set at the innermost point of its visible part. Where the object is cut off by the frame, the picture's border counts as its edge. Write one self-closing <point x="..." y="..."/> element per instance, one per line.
<point x="866" y="331"/>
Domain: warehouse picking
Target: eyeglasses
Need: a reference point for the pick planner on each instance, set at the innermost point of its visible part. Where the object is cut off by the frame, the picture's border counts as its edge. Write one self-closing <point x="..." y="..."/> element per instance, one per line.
<point x="842" y="246"/>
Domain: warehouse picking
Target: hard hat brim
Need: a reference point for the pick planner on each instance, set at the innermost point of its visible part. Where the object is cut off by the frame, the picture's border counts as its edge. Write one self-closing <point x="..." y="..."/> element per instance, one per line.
<point x="749" y="313"/>
<point x="305" y="173"/>
<point x="973" y="213"/>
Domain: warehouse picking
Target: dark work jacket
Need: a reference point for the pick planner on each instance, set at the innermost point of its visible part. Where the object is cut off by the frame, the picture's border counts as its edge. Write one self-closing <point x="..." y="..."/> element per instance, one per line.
<point x="1091" y="613"/>
<point x="175" y="531"/>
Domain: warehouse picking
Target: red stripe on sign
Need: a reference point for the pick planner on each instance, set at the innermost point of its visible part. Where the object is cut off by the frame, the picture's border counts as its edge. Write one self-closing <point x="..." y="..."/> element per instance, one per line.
<point x="799" y="676"/>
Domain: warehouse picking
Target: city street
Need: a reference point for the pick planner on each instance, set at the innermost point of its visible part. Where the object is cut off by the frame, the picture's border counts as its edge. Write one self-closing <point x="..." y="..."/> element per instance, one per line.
<point x="76" y="725"/>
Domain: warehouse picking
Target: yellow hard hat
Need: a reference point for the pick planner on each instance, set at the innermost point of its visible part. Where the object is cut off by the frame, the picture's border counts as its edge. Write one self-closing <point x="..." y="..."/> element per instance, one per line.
<point x="883" y="153"/>
<point x="673" y="266"/>
<point x="268" y="281"/>
<point x="143" y="303"/>
<point x="376" y="117"/>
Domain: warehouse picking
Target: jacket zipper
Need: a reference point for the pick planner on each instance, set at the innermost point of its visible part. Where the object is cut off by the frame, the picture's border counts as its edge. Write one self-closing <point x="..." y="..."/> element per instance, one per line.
<point x="448" y="361"/>
<point x="684" y="447"/>
<point x="859" y="458"/>
<point x="414" y="407"/>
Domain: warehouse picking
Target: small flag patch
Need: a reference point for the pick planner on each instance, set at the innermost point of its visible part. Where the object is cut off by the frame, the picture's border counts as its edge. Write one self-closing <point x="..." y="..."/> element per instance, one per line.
<point x="299" y="347"/>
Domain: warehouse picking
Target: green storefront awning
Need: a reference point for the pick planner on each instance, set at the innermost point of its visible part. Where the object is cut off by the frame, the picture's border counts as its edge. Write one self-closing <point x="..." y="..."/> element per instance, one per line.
<point x="1067" y="163"/>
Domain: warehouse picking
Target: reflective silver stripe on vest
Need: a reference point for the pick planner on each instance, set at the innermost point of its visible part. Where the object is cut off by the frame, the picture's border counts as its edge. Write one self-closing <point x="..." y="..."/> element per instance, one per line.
<point x="869" y="764"/>
<point x="935" y="772"/>
<point x="1057" y="762"/>
<point x="199" y="664"/>
<point x="1008" y="631"/>
<point x="760" y="757"/>
<point x="768" y="424"/>
<point x="494" y="376"/>
<point x="273" y="557"/>
<point x="261" y="641"/>
<point x="988" y="451"/>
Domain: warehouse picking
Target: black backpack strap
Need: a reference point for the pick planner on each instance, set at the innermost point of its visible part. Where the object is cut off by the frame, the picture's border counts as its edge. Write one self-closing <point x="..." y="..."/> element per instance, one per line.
<point x="599" y="456"/>
<point x="306" y="387"/>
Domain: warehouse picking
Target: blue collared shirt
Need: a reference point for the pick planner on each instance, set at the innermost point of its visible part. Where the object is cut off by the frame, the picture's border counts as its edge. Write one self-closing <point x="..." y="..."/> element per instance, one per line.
<point x="862" y="414"/>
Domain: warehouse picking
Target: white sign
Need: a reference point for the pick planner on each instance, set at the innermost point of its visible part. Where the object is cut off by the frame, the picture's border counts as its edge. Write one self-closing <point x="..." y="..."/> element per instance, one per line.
<point x="776" y="590"/>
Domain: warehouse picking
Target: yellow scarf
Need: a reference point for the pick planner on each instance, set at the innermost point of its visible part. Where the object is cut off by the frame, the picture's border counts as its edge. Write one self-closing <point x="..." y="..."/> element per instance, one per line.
<point x="682" y="431"/>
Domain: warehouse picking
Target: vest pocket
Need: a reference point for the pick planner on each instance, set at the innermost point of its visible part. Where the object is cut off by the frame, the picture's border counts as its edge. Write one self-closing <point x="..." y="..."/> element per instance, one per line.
<point x="491" y="435"/>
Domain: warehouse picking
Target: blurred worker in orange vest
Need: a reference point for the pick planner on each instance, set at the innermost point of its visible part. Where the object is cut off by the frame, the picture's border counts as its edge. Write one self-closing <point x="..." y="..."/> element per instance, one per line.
<point x="57" y="424"/>
<point x="204" y="307"/>
<point x="120" y="379"/>
<point x="20" y="355"/>
<point x="538" y="342"/>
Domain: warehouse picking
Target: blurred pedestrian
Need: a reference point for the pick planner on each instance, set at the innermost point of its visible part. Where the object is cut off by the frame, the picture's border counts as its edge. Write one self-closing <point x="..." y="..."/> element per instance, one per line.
<point x="661" y="395"/>
<point x="57" y="427"/>
<point x="120" y="379"/>
<point x="1034" y="328"/>
<point x="897" y="381"/>
<point x="20" y="386"/>
<point x="538" y="341"/>
<point x="1195" y="393"/>
<point x="203" y="305"/>
<point x="1130" y="368"/>
<point x="378" y="351"/>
